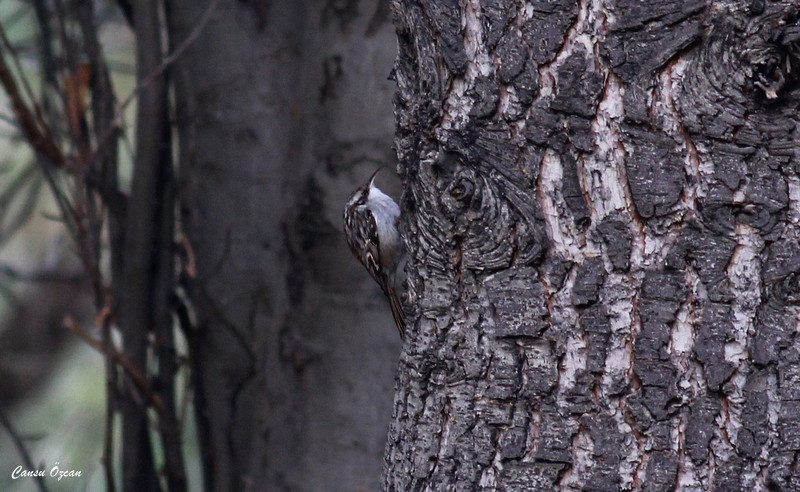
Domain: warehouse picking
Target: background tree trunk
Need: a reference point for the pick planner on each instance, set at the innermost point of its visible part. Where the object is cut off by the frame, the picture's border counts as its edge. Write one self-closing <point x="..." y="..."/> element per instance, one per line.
<point x="283" y="109"/>
<point x="603" y="227"/>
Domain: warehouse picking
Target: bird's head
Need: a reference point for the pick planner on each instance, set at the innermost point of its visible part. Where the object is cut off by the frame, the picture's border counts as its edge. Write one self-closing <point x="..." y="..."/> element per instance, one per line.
<point x="361" y="194"/>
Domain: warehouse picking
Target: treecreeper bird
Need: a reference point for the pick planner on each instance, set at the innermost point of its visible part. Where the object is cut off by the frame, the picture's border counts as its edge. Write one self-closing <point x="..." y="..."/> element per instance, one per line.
<point x="372" y="230"/>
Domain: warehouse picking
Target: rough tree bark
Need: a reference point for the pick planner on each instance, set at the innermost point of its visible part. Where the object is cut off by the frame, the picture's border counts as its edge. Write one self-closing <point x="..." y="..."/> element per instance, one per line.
<point x="283" y="109"/>
<point x="601" y="202"/>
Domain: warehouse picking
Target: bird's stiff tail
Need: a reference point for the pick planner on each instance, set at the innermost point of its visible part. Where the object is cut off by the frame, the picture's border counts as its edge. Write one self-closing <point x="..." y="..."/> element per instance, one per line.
<point x="398" y="313"/>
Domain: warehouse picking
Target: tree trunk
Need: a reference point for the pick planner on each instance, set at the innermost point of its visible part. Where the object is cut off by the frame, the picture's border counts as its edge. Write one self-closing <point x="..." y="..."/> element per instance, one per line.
<point x="283" y="109"/>
<point x="601" y="202"/>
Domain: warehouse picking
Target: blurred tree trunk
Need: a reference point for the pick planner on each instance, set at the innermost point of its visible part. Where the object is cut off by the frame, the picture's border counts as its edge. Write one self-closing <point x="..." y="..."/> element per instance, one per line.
<point x="604" y="232"/>
<point x="282" y="109"/>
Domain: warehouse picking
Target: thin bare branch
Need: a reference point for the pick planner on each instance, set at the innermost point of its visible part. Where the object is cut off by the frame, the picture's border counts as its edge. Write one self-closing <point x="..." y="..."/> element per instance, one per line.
<point x="104" y="318"/>
<point x="36" y="132"/>
<point x="136" y="374"/>
<point x="153" y="75"/>
<point x="23" y="213"/>
<point x="169" y="59"/>
<point x="21" y="73"/>
<point x="23" y="451"/>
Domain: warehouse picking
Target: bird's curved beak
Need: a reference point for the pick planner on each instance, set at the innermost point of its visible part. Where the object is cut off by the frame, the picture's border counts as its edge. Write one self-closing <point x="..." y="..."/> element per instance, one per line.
<point x="375" y="175"/>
